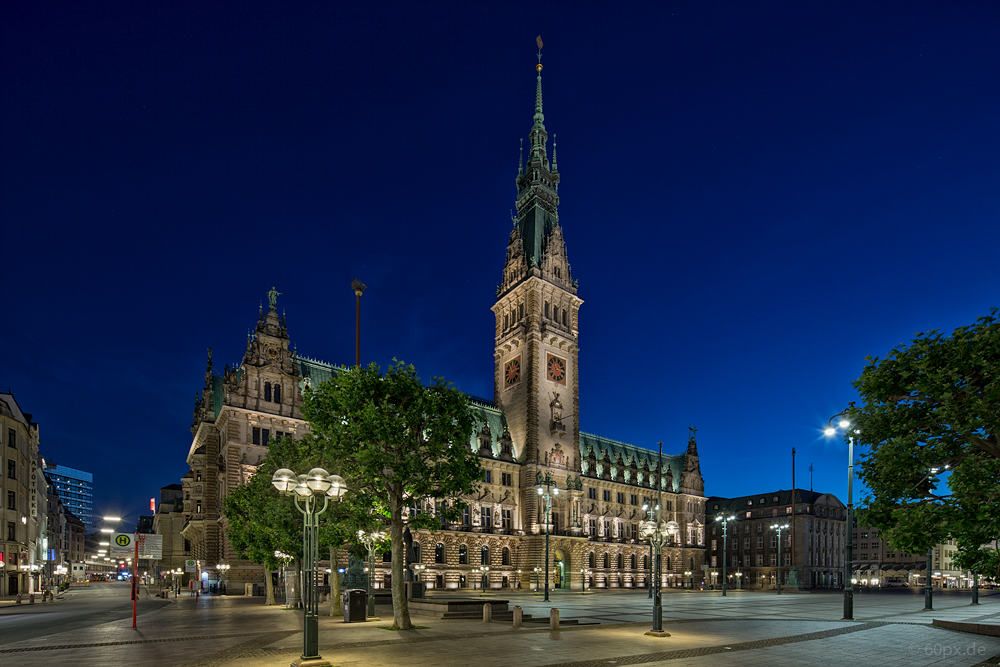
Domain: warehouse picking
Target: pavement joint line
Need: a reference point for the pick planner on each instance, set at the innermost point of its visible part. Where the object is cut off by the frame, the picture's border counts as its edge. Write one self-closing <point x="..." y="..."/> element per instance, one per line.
<point x="261" y="651"/>
<point x="49" y="647"/>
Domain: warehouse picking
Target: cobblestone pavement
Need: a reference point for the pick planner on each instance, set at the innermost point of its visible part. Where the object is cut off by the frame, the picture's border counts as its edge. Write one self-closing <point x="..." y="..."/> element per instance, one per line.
<point x="753" y="628"/>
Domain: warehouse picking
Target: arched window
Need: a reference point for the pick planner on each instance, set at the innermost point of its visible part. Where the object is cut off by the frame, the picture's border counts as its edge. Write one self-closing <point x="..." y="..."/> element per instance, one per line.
<point x="607" y="561"/>
<point x="505" y="556"/>
<point x="463" y="555"/>
<point x="668" y="564"/>
<point x="592" y="561"/>
<point x="277" y="393"/>
<point x="546" y="310"/>
<point x="564" y="317"/>
<point x="558" y="272"/>
<point x="620" y="563"/>
<point x="267" y="391"/>
<point x="416" y="552"/>
<point x="505" y="321"/>
<point x="632" y="561"/>
<point x="645" y="562"/>
<point x="484" y="555"/>
<point x="439" y="553"/>
<point x="387" y="557"/>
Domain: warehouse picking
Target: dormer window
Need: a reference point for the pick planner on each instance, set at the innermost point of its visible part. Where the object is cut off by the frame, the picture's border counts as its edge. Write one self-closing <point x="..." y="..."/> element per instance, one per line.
<point x="277" y="393"/>
<point x="267" y="391"/>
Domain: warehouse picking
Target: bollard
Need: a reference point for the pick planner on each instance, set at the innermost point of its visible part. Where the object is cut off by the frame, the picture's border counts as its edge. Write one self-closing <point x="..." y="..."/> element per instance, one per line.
<point x="31" y="598"/>
<point x="518" y="616"/>
<point x="18" y="598"/>
<point x="554" y="619"/>
<point x="487" y="613"/>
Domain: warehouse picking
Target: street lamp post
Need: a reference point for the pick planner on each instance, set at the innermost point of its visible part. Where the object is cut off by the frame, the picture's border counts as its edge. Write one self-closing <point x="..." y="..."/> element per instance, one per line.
<point x="223" y="570"/>
<point x="849" y="544"/>
<point x="658" y="533"/>
<point x="307" y="490"/>
<point x="649" y="514"/>
<point x="583" y="584"/>
<point x="739" y="579"/>
<point x="779" y="527"/>
<point x="537" y="570"/>
<point x="547" y="488"/>
<point x="370" y="540"/>
<point x="484" y="583"/>
<point x="724" y="520"/>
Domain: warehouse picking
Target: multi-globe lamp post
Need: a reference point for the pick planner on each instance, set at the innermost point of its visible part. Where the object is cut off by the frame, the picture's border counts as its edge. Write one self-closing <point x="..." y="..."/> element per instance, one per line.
<point x="779" y="527"/>
<point x="547" y="488"/>
<point x="724" y="520"/>
<point x="658" y="533"/>
<point x="370" y="540"/>
<point x="223" y="569"/>
<point x="307" y="490"/>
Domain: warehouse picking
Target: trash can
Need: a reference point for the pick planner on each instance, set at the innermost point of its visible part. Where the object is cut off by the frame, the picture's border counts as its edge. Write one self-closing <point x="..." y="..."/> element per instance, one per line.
<point x="355" y="605"/>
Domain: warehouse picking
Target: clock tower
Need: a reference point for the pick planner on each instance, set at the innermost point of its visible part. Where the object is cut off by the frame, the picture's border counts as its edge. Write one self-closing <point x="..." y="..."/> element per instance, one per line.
<point x="536" y="381"/>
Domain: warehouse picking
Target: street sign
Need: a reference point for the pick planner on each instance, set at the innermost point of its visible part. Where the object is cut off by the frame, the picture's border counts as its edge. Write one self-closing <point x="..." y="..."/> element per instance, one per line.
<point x="150" y="545"/>
<point x="122" y="544"/>
<point x="189" y="565"/>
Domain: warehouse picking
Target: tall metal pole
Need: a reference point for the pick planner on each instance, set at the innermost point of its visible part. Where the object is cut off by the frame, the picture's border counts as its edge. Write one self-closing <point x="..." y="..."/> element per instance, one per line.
<point x="975" y="588"/>
<point x="358" y="288"/>
<point x="725" y="553"/>
<point x="779" y="560"/>
<point x="928" y="589"/>
<point x="548" y="512"/>
<point x="650" y="596"/>
<point x="849" y="547"/>
<point x="657" y="594"/>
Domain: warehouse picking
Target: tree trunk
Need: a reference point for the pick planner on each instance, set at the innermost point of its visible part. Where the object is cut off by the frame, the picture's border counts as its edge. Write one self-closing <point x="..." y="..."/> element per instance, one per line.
<point x="335" y="609"/>
<point x="400" y="610"/>
<point x="269" y="587"/>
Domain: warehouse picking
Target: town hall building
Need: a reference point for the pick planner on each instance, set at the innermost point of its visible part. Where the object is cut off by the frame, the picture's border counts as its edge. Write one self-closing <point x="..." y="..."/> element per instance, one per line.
<point x="528" y="434"/>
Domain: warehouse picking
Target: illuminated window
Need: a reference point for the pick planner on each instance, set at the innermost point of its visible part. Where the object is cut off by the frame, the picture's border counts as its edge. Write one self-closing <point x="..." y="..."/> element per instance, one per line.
<point x="463" y="555"/>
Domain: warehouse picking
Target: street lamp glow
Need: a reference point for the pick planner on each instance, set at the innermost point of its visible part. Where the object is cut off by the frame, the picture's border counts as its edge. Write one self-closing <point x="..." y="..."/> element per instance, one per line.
<point x="113" y="519"/>
<point x="107" y="530"/>
<point x="844" y="423"/>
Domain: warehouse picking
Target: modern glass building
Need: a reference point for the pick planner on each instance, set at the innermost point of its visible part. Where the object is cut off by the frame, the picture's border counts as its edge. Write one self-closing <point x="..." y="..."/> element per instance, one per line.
<point x="76" y="490"/>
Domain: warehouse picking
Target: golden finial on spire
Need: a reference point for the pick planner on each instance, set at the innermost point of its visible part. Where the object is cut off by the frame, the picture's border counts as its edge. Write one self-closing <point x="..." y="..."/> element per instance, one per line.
<point x="538" y="40"/>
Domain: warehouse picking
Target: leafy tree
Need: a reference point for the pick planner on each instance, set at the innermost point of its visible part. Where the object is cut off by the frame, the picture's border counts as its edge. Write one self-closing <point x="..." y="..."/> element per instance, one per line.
<point x="400" y="441"/>
<point x="261" y="521"/>
<point x="930" y="416"/>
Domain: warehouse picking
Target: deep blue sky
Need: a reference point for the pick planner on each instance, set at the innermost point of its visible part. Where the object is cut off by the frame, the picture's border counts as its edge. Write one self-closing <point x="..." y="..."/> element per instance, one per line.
<point x="755" y="196"/>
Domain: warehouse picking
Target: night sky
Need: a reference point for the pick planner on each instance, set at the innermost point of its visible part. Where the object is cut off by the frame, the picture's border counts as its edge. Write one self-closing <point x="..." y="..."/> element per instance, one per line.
<point x="755" y="196"/>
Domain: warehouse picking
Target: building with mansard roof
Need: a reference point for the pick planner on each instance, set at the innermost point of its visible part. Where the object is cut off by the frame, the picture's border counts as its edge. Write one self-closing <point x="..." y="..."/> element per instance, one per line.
<point x="811" y="549"/>
<point x="528" y="432"/>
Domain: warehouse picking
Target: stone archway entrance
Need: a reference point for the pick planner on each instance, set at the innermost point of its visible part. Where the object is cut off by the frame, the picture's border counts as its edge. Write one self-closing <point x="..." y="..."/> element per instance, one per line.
<point x="562" y="577"/>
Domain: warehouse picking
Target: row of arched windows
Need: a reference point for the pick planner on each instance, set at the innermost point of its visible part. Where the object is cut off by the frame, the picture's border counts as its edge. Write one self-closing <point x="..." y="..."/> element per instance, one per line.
<point x="272" y="393"/>
<point x="441" y="555"/>
<point x="515" y="315"/>
<point x="556" y="314"/>
<point x="620" y="561"/>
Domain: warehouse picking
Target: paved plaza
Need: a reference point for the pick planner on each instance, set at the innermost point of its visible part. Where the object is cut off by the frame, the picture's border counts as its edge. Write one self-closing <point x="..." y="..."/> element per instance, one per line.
<point x="749" y="628"/>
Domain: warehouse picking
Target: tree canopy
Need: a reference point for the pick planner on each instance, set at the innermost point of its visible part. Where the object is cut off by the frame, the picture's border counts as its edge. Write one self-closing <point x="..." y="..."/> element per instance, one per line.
<point x="930" y="416"/>
<point x="401" y="442"/>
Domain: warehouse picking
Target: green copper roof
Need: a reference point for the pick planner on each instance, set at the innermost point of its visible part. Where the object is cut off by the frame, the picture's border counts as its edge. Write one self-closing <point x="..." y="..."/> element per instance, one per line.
<point x="315" y="370"/>
<point x="627" y="454"/>
<point x="494" y="419"/>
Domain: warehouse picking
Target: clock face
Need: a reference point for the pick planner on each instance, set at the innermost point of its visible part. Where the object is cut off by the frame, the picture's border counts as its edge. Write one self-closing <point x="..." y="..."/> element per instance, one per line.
<point x="557" y="369"/>
<point x="272" y="352"/>
<point x="512" y="371"/>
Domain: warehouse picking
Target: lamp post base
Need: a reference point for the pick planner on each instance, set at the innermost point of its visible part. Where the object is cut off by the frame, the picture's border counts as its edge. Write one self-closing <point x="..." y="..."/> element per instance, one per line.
<point x="311" y="662"/>
<point x="655" y="633"/>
